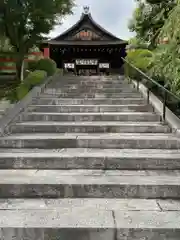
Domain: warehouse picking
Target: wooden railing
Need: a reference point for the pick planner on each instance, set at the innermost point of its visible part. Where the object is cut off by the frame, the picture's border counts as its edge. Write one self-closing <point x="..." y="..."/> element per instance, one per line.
<point x="4" y="60"/>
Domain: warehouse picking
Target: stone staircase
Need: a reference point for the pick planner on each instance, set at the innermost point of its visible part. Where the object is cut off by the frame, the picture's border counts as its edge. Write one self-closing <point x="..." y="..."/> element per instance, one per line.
<point x="90" y="160"/>
<point x="4" y="106"/>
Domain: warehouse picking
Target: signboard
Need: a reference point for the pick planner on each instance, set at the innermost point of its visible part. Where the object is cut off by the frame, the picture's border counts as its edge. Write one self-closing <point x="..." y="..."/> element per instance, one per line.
<point x="86" y="35"/>
<point x="104" y="65"/>
<point x="69" y="65"/>
<point x="86" y="62"/>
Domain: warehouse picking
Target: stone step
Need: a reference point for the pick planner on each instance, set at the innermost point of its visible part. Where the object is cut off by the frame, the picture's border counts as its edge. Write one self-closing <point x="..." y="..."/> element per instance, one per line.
<point x="93" y="95"/>
<point x="108" y="204"/>
<point x="91" y="80"/>
<point x="92" y="219"/>
<point x="89" y="90"/>
<point x="86" y="81"/>
<point x="81" y="158"/>
<point x="98" y="116"/>
<point x="71" y="101"/>
<point x="89" y="127"/>
<point x="91" y="108"/>
<point x="98" y="85"/>
<point x="99" y="140"/>
<point x="89" y="184"/>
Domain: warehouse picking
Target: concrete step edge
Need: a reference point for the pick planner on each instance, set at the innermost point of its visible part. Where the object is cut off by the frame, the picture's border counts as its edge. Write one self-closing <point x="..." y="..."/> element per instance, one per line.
<point x="81" y="152"/>
<point x="90" y="105"/>
<point x="87" y="123"/>
<point x="159" y="136"/>
<point x="90" y="177"/>
<point x="92" y="113"/>
<point x="130" y="205"/>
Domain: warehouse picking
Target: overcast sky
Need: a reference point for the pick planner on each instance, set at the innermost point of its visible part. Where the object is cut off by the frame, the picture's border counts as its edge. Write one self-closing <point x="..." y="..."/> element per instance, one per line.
<point x="113" y="15"/>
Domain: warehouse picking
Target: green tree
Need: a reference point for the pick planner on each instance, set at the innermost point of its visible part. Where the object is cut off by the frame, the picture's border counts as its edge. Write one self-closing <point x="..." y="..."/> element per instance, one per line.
<point x="149" y="17"/>
<point x="167" y="60"/>
<point x="136" y="43"/>
<point x="172" y="25"/>
<point x="24" y="23"/>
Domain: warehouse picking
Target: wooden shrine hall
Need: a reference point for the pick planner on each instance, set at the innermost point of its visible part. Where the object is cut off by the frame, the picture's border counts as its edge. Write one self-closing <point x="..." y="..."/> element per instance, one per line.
<point x="87" y="48"/>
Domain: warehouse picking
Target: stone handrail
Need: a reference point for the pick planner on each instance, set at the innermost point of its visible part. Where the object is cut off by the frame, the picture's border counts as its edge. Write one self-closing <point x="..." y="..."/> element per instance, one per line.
<point x="14" y="112"/>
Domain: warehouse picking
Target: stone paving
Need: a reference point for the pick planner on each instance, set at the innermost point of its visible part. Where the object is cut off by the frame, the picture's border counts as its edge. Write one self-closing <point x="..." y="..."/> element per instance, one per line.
<point x="90" y="161"/>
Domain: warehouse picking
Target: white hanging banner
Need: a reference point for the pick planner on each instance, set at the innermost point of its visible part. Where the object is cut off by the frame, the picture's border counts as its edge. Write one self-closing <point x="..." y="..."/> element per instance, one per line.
<point x="86" y="62"/>
<point x="104" y="65"/>
<point x="69" y="65"/>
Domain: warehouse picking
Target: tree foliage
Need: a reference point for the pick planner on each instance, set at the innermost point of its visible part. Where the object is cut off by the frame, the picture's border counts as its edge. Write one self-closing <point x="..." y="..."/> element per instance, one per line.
<point x="141" y="59"/>
<point x="25" y="21"/>
<point x="149" y="17"/>
<point x="165" y="24"/>
<point x="172" y="25"/>
<point x="136" y="43"/>
<point x="167" y="56"/>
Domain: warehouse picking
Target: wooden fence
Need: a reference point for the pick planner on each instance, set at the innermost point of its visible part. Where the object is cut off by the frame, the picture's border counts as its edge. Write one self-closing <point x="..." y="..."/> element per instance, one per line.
<point x="8" y="63"/>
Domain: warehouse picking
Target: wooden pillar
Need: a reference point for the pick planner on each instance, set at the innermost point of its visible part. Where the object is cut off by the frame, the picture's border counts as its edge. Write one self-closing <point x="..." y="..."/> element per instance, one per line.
<point x="63" y="67"/>
<point x="109" y="70"/>
<point x="75" y="69"/>
<point x="98" y="70"/>
<point x="46" y="52"/>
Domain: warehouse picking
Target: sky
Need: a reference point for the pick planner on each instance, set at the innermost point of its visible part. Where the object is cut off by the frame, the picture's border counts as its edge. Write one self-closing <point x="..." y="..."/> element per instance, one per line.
<point x="113" y="15"/>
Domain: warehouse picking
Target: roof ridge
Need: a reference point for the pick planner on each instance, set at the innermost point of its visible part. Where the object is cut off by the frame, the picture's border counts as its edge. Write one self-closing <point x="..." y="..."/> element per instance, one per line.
<point x="83" y="17"/>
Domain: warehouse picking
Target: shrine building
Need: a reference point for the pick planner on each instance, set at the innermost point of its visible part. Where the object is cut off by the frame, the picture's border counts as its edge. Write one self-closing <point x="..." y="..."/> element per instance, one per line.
<point x="87" y="48"/>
